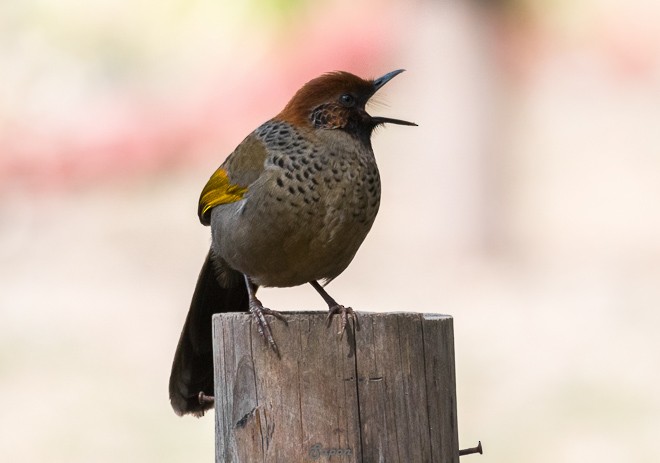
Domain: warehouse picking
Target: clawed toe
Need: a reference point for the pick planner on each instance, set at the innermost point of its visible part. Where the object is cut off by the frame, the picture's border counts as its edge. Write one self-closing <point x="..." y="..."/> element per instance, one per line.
<point x="258" y="312"/>
<point x="344" y="314"/>
<point x="274" y="313"/>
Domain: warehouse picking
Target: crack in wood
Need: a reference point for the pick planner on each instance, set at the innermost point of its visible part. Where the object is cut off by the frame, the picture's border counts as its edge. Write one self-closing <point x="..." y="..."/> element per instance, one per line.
<point x="243" y="421"/>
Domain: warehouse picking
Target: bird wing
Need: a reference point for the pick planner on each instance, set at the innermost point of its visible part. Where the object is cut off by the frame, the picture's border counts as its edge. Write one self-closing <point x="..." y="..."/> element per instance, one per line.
<point x="232" y="179"/>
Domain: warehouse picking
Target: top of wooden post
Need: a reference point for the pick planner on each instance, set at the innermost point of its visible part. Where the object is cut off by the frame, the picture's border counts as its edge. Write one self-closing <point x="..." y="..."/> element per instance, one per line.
<point x="384" y="393"/>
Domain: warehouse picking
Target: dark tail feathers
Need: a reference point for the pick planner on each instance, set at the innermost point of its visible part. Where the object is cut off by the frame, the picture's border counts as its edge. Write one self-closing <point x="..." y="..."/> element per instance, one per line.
<point x="192" y="369"/>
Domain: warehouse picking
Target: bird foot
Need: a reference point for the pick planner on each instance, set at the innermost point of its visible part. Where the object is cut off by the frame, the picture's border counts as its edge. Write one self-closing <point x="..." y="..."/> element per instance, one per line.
<point x="258" y="311"/>
<point x="344" y="313"/>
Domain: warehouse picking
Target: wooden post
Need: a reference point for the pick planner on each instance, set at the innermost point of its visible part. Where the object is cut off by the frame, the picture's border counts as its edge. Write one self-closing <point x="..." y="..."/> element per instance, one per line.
<point x="385" y="393"/>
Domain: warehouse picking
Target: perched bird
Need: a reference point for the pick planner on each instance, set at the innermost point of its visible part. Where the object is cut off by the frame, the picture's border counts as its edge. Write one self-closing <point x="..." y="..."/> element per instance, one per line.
<point x="291" y="205"/>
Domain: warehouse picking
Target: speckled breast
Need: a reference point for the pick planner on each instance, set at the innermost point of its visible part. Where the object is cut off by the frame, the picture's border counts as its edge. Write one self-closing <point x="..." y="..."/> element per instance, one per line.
<point x="306" y="216"/>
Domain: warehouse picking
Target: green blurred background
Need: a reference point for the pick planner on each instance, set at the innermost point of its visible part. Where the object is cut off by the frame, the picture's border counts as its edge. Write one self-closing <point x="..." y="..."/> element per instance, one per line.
<point x="526" y="204"/>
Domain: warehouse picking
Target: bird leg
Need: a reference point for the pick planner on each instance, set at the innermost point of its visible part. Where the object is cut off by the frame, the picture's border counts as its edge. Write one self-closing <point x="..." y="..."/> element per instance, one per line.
<point x="336" y="309"/>
<point x="258" y="311"/>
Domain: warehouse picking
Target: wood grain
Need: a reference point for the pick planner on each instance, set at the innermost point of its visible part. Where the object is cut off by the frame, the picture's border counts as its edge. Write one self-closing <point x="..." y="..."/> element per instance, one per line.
<point x="385" y="393"/>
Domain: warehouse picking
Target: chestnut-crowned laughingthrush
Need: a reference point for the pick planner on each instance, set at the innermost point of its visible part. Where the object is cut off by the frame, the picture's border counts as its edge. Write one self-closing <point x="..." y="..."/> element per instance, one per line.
<point x="290" y="205"/>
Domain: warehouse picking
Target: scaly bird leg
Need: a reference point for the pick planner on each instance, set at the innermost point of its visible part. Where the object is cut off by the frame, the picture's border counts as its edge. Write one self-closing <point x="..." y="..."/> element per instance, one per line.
<point x="336" y="309"/>
<point x="258" y="311"/>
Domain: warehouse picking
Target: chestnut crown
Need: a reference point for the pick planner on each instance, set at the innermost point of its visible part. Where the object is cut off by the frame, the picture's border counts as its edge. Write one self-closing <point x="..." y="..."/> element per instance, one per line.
<point x="337" y="100"/>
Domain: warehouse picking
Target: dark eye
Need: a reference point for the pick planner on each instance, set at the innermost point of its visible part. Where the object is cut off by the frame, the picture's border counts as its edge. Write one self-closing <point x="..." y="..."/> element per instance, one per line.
<point x="347" y="99"/>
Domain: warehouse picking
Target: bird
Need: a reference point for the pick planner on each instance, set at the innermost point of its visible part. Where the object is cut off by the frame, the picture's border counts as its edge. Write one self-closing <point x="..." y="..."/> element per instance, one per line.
<point x="290" y="205"/>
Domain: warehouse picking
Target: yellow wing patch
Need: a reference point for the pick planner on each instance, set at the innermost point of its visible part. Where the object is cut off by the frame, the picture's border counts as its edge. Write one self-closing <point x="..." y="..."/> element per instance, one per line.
<point x="218" y="190"/>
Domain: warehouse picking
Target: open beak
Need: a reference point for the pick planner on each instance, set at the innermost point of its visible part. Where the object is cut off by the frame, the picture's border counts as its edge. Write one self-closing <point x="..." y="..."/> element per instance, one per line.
<point x="378" y="83"/>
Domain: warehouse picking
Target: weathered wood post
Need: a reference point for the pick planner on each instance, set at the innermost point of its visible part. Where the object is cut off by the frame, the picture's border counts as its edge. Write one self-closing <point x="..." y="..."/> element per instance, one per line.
<point x="385" y="393"/>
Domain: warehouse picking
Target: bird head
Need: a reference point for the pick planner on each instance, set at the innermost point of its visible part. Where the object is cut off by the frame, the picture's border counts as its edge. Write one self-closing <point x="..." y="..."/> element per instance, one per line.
<point x="336" y="101"/>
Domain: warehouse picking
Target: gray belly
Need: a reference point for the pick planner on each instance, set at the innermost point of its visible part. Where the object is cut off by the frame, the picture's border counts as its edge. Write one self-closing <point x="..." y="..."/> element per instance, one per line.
<point x="291" y="232"/>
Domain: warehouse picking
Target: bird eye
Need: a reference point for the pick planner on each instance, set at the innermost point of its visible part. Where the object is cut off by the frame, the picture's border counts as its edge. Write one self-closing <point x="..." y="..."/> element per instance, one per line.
<point x="347" y="99"/>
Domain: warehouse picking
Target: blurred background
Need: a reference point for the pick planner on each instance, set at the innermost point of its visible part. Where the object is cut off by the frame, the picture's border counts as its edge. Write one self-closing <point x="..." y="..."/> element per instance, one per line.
<point x="526" y="205"/>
